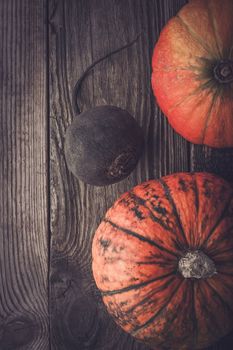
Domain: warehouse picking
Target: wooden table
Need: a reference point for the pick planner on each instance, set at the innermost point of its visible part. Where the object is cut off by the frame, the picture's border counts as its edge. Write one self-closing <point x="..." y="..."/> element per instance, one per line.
<point x="48" y="299"/>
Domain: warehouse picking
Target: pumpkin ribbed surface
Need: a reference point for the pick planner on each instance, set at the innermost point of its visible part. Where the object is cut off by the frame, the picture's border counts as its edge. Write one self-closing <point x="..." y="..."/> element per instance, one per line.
<point x="142" y="243"/>
<point x="192" y="75"/>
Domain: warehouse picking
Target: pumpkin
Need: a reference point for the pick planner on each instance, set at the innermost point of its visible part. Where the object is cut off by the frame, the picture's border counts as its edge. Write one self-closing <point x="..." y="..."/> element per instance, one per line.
<point x="192" y="76"/>
<point x="163" y="261"/>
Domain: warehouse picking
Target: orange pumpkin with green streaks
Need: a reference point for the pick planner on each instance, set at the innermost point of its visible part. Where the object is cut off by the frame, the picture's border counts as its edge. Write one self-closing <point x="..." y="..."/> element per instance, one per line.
<point x="192" y="75"/>
<point x="163" y="261"/>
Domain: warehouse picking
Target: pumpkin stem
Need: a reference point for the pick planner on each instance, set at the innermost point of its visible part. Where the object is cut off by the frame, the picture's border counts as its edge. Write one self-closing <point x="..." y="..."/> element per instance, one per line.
<point x="223" y="71"/>
<point x="83" y="76"/>
<point x="196" y="264"/>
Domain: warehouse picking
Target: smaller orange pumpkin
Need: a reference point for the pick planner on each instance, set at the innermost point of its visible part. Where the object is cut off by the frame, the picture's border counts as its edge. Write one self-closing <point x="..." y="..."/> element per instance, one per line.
<point x="163" y="260"/>
<point x="192" y="75"/>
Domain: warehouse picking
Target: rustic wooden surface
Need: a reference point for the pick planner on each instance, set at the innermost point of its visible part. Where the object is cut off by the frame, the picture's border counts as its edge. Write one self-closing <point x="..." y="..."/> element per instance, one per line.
<point x="23" y="176"/>
<point x="48" y="217"/>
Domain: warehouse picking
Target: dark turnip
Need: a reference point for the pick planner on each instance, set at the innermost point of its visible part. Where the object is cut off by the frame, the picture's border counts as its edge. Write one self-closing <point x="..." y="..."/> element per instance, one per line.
<point x="103" y="144"/>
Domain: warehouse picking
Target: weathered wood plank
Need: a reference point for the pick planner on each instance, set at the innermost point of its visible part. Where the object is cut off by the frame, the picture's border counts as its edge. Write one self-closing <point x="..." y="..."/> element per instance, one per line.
<point x="217" y="161"/>
<point x="81" y="32"/>
<point x="23" y="176"/>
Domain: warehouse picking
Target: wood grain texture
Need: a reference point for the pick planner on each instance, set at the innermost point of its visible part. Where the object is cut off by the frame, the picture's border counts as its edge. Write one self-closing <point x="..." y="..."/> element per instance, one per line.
<point x="23" y="176"/>
<point x="81" y="32"/>
<point x="213" y="160"/>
